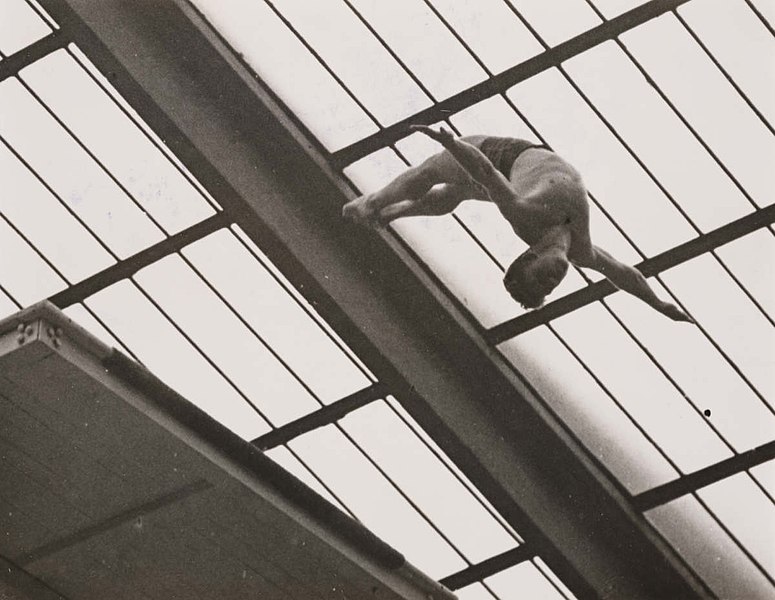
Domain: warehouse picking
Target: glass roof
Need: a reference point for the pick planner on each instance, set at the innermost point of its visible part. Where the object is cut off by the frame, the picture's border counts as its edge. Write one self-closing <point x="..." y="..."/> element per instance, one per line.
<point x="670" y="124"/>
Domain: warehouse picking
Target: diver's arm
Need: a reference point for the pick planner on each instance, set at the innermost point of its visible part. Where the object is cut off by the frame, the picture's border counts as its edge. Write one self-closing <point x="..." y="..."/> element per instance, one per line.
<point x="631" y="280"/>
<point x="475" y="163"/>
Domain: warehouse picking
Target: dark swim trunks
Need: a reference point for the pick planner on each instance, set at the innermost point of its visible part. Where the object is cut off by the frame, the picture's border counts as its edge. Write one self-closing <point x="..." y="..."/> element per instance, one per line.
<point x="503" y="151"/>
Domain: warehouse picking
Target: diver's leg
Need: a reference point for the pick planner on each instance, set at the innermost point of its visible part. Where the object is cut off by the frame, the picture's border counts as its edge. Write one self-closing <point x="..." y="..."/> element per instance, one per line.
<point x="439" y="200"/>
<point x="410" y="185"/>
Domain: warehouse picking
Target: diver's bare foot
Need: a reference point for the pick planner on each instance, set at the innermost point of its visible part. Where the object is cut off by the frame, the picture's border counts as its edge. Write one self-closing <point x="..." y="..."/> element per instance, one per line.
<point x="359" y="211"/>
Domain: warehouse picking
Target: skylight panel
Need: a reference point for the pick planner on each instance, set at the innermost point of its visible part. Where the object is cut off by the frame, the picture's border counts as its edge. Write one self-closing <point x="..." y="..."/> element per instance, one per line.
<point x="611" y="175"/>
<point x="709" y="550"/>
<point x="714" y="300"/>
<point x="738" y="40"/>
<point x="708" y="101"/>
<point x="702" y="373"/>
<point x="20" y="26"/>
<point x="292" y="72"/>
<point x="699" y="186"/>
<point x="243" y="358"/>
<point x="475" y="591"/>
<point x="491" y="30"/>
<point x="65" y="87"/>
<point x="492" y="116"/>
<point x="766" y="9"/>
<point x="544" y="568"/>
<point x="584" y="406"/>
<point x="7" y="306"/>
<point x="356" y="55"/>
<point x="613" y="8"/>
<point x="765" y="475"/>
<point x="59" y="236"/>
<point x="79" y="314"/>
<point x="146" y="332"/>
<point x="751" y="260"/>
<point x="641" y="388"/>
<point x="748" y="514"/>
<point x="523" y="581"/>
<point x="75" y="177"/>
<point x="25" y="276"/>
<point x="276" y="316"/>
<point x="425" y="45"/>
<point x="557" y="21"/>
<point x="375" y="502"/>
<point x="403" y="456"/>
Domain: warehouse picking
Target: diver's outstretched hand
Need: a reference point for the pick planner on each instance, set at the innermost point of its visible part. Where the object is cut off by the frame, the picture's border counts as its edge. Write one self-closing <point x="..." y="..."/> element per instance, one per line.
<point x="675" y="313"/>
<point x="442" y="136"/>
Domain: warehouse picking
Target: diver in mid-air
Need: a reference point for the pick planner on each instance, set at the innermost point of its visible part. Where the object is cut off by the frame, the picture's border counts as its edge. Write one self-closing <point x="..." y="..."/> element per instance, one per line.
<point x="541" y="196"/>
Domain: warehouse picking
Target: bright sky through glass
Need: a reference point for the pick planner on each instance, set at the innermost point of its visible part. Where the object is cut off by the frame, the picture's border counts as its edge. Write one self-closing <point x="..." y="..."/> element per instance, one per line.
<point x="20" y="26"/>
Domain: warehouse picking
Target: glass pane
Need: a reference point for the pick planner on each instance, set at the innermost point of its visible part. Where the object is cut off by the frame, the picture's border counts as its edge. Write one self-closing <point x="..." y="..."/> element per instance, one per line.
<point x="184" y="296"/>
<point x="22" y="272"/>
<point x="58" y="236"/>
<point x="74" y="176"/>
<point x="375" y="502"/>
<point x="523" y="581"/>
<point x="475" y="591"/>
<point x="610" y="173"/>
<point x="288" y="461"/>
<point x="493" y="116"/>
<point x="709" y="550"/>
<point x="641" y="388"/>
<point x="720" y="306"/>
<point x="19" y="26"/>
<point x="751" y="260"/>
<point x="131" y="113"/>
<point x="748" y="514"/>
<point x="7" y="307"/>
<point x="492" y="32"/>
<point x="544" y="568"/>
<point x="413" y="467"/>
<point x="79" y="314"/>
<point x="656" y="134"/>
<point x="146" y="332"/>
<point x="738" y="40"/>
<point x="765" y="474"/>
<point x="707" y="101"/>
<point x="613" y="8"/>
<point x="348" y="47"/>
<point x="767" y="9"/>
<point x="583" y="405"/>
<point x="577" y="17"/>
<point x="427" y="47"/>
<point x="288" y="68"/>
<point x="116" y="142"/>
<point x="701" y="372"/>
<point x="276" y="316"/>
